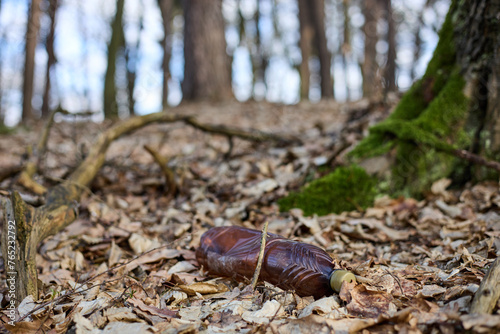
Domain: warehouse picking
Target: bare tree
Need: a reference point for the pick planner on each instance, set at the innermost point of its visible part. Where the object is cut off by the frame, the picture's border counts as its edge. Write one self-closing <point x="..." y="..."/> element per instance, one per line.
<point x="1" y="90"/>
<point x="260" y="58"/>
<point x="115" y="44"/>
<point x="166" y="9"/>
<point x="49" y="46"/>
<point x="207" y="70"/>
<point x="33" y="27"/>
<point x="390" y="67"/>
<point x="369" y="68"/>
<point x="131" y="60"/>
<point x="346" y="45"/>
<point x="312" y="28"/>
<point x="306" y="36"/>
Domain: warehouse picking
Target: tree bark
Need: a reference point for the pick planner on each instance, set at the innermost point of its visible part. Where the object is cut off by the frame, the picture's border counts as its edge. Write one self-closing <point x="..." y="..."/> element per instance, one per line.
<point x="131" y="59"/>
<point x="312" y="28"/>
<point x="306" y="36"/>
<point x="346" y="45"/>
<point x="369" y="68"/>
<point x="33" y="27"/>
<point x="449" y="121"/>
<point x="318" y="19"/>
<point x="390" y="67"/>
<point x="207" y="70"/>
<point x="260" y="58"/>
<point x="49" y="45"/>
<point x="166" y="9"/>
<point x="115" y="43"/>
<point x="478" y="54"/>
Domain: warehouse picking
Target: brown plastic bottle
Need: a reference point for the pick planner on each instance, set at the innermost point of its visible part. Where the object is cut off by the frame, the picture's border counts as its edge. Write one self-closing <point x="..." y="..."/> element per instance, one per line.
<point x="232" y="251"/>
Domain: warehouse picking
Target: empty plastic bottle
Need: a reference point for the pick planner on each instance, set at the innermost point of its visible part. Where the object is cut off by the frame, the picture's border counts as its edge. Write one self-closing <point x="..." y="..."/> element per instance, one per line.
<point x="232" y="251"/>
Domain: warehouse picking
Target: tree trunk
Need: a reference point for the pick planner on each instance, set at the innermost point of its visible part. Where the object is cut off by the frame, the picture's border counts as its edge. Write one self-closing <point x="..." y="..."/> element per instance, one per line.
<point x="33" y="27"/>
<point x="478" y="54"/>
<point x="318" y="18"/>
<point x="390" y="67"/>
<point x="131" y="59"/>
<point x="312" y="26"/>
<point x="207" y="70"/>
<point x="455" y="106"/>
<point x="115" y="43"/>
<point x="306" y="36"/>
<point x="346" y="45"/>
<point x="49" y="45"/>
<point x="1" y="91"/>
<point x="259" y="60"/>
<point x="166" y="9"/>
<point x="369" y="68"/>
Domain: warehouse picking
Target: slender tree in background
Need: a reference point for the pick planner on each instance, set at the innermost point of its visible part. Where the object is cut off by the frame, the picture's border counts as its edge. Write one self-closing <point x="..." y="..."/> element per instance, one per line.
<point x="131" y="60"/>
<point x="1" y="90"/>
<point x="260" y="58"/>
<point x="207" y="70"/>
<point x="115" y="44"/>
<point x="84" y="33"/>
<point x="345" y="48"/>
<point x="306" y="36"/>
<point x="312" y="29"/>
<point x="370" y="68"/>
<point x="51" y="60"/>
<point x="33" y="27"/>
<point x="166" y="9"/>
<point x="454" y="110"/>
<point x="417" y="39"/>
<point x="390" y="67"/>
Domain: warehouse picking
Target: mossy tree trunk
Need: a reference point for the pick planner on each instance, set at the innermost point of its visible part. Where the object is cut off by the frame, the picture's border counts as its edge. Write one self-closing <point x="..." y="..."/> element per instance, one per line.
<point x="454" y="106"/>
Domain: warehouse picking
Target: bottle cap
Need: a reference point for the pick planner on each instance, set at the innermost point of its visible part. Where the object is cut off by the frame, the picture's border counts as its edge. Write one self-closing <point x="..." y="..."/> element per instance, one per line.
<point x="338" y="276"/>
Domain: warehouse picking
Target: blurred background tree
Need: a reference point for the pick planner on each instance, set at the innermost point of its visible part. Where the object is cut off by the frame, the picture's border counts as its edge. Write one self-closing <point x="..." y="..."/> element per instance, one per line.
<point x="139" y="56"/>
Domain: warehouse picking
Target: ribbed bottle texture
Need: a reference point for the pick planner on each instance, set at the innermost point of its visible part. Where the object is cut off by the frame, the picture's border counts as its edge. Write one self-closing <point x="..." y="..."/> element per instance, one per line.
<point x="232" y="251"/>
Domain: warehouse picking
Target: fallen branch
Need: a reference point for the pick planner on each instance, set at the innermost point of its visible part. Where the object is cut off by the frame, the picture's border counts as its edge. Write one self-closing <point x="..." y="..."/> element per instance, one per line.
<point x="252" y="135"/>
<point x="487" y="295"/>
<point x="32" y="225"/>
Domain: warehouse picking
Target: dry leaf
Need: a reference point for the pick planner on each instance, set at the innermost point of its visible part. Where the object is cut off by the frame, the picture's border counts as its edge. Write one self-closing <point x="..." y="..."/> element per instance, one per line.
<point x="270" y="309"/>
<point x="203" y="288"/>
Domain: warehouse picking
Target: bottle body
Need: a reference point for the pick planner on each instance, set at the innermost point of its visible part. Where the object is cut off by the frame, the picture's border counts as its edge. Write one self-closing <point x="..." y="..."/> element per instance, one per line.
<point x="232" y="251"/>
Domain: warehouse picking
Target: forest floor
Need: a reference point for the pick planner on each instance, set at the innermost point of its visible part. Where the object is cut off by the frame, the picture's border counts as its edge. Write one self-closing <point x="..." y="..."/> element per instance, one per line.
<point x="127" y="264"/>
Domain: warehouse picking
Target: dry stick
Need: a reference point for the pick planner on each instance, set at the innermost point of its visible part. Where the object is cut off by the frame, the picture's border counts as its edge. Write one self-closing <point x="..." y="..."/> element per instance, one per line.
<point x="476" y="159"/>
<point x="261" y="256"/>
<point x="487" y="295"/>
<point x="252" y="135"/>
<point x="167" y="172"/>
<point x="31" y="167"/>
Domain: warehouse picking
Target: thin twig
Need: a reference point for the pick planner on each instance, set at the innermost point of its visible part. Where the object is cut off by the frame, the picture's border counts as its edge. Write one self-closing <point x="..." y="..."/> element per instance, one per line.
<point x="167" y="172"/>
<point x="397" y="281"/>
<point x="261" y="256"/>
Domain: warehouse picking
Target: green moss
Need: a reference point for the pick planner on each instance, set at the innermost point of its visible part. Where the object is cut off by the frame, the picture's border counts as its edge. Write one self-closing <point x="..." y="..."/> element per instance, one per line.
<point x="346" y="189"/>
<point x="427" y="123"/>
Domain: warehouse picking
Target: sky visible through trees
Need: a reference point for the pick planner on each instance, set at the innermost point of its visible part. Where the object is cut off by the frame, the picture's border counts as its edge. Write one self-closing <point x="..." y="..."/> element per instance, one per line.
<point x="83" y="32"/>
